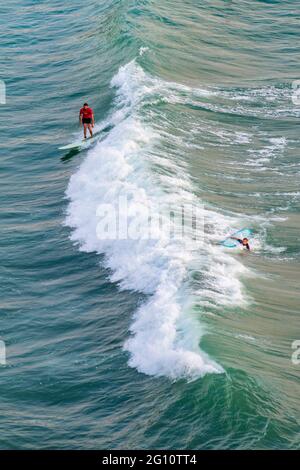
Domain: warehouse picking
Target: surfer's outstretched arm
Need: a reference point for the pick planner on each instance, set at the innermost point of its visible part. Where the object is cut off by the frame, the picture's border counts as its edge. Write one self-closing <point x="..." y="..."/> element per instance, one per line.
<point x="242" y="242"/>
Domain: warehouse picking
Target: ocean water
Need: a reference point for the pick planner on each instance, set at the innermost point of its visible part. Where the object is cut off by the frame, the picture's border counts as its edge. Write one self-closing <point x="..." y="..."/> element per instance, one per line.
<point x="161" y="342"/>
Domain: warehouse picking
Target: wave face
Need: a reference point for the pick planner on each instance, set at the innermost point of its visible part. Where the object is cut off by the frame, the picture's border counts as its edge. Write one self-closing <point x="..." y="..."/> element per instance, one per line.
<point x="164" y="335"/>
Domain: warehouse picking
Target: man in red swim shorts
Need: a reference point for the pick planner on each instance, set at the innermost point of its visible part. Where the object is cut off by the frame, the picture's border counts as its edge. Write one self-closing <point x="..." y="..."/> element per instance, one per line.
<point x="86" y="118"/>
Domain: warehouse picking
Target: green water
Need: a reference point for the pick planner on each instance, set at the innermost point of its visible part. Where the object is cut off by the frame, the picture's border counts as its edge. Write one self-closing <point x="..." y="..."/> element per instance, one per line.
<point x="127" y="344"/>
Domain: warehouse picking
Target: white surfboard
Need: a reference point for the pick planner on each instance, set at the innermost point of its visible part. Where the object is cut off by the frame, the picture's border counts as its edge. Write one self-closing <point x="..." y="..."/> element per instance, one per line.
<point x="83" y="143"/>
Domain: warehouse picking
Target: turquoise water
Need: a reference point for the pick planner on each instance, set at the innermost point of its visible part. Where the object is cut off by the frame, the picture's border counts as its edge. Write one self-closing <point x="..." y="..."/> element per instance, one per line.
<point x="138" y="343"/>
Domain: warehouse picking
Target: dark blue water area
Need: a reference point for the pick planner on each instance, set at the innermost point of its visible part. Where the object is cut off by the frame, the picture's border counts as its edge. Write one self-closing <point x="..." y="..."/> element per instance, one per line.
<point x="67" y="382"/>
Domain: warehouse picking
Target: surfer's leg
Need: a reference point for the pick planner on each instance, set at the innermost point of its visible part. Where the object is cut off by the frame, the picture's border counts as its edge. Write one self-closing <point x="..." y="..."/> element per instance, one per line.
<point x="90" y="129"/>
<point x="84" y="130"/>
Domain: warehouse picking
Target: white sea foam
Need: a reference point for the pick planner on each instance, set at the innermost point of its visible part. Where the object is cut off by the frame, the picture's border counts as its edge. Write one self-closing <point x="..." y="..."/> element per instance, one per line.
<point x="165" y="335"/>
<point x="276" y="102"/>
<point x="143" y="50"/>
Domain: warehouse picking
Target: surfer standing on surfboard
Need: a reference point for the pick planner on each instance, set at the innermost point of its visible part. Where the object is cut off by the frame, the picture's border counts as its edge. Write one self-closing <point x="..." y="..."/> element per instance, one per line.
<point x="86" y="118"/>
<point x="243" y="241"/>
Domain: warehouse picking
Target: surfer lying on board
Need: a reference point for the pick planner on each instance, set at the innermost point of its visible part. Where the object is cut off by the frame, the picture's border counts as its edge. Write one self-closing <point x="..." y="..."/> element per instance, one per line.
<point x="242" y="241"/>
<point x="86" y="118"/>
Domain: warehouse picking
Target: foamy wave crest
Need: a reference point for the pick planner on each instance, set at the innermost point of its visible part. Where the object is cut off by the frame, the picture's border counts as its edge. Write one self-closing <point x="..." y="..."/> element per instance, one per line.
<point x="164" y="336"/>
